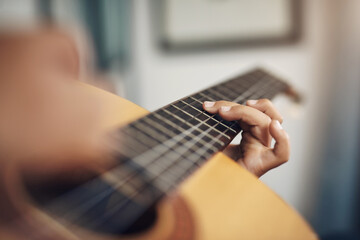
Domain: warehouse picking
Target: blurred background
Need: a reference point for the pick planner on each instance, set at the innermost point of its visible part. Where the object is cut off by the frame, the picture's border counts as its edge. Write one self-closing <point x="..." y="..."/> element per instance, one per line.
<point x="155" y="51"/>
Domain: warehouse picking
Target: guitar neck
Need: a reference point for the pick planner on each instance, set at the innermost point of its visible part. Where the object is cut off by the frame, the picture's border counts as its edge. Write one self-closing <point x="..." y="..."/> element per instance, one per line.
<point x="181" y="135"/>
<point x="157" y="152"/>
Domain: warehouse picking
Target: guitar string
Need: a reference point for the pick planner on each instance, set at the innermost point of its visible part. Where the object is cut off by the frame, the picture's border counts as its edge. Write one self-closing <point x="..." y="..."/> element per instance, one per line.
<point x="118" y="184"/>
<point x="152" y="180"/>
<point x="195" y="141"/>
<point x="196" y="116"/>
<point x="175" y="142"/>
<point x="175" y="163"/>
<point x="122" y="204"/>
<point x="174" y="104"/>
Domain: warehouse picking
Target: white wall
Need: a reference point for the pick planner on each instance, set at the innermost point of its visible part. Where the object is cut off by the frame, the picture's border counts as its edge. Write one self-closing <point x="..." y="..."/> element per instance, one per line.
<point x="160" y="78"/>
<point x="17" y="12"/>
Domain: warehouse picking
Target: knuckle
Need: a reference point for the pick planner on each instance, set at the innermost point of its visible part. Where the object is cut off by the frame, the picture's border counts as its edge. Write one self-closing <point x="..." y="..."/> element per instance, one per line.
<point x="237" y="108"/>
<point x="268" y="120"/>
<point x="221" y="102"/>
<point x="266" y="101"/>
<point x="280" y="119"/>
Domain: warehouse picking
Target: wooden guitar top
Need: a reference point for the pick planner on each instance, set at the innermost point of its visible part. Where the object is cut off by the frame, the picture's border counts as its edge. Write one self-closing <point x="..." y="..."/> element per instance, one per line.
<point x="225" y="200"/>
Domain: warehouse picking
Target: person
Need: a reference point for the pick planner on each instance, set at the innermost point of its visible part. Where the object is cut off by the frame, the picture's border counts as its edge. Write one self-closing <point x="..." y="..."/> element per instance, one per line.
<point x="50" y="126"/>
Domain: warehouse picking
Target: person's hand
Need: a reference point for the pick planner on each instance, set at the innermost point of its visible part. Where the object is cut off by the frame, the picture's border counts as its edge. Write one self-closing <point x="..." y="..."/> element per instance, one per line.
<point x="260" y="122"/>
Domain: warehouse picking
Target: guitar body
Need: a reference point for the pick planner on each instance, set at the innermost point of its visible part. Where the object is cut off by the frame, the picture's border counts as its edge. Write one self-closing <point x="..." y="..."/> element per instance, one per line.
<point x="221" y="200"/>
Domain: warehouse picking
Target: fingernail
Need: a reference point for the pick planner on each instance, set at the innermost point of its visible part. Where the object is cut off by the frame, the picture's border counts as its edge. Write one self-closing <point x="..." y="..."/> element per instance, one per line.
<point x="225" y="108"/>
<point x="278" y="125"/>
<point x="209" y="104"/>
<point x="252" y="102"/>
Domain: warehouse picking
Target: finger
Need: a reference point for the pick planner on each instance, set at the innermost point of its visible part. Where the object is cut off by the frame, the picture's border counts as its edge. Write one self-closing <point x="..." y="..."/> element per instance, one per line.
<point x="213" y="107"/>
<point x="281" y="151"/>
<point x="232" y="111"/>
<point x="267" y="107"/>
<point x="258" y="121"/>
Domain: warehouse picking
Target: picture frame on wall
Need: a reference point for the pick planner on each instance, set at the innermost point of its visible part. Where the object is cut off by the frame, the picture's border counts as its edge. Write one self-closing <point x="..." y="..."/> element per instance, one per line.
<point x="189" y="24"/>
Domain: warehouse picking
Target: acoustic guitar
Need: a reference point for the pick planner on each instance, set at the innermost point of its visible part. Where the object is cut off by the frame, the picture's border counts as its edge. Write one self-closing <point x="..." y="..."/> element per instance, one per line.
<point x="170" y="181"/>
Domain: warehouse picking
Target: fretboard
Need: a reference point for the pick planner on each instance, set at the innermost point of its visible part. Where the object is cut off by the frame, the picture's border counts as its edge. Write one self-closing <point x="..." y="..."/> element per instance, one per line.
<point x="170" y="143"/>
<point x="158" y="151"/>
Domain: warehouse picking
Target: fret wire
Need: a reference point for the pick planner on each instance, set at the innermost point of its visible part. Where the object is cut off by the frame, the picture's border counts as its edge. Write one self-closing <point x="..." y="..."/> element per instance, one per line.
<point x="154" y="118"/>
<point x="142" y="154"/>
<point x="242" y="97"/>
<point x="212" y="99"/>
<point x="159" y="149"/>
<point x="213" y="94"/>
<point x="134" y="142"/>
<point x="179" y="153"/>
<point x="222" y="97"/>
<point x="202" y="148"/>
<point x="201" y="112"/>
<point x="183" y="141"/>
<point x="266" y="90"/>
<point x="206" y="118"/>
<point x="120" y="183"/>
<point x="151" y="132"/>
<point x="195" y="99"/>
<point x="149" y="135"/>
<point x="263" y="94"/>
<point x="239" y="88"/>
<point x="162" y="128"/>
<point x="183" y="129"/>
<point x="239" y="85"/>
<point x="230" y="92"/>
<point x="255" y="94"/>
<point x="195" y="108"/>
<point x="141" y="139"/>
<point x="208" y="97"/>
<point x="139" y="191"/>
<point x="125" y="146"/>
<point x="199" y="121"/>
<point x="242" y="85"/>
<point x="213" y="150"/>
<point x="192" y="101"/>
<point x="200" y="97"/>
<point x="159" y="127"/>
<point x="247" y="82"/>
<point x="145" y="139"/>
